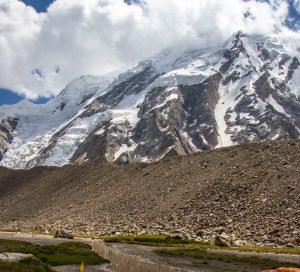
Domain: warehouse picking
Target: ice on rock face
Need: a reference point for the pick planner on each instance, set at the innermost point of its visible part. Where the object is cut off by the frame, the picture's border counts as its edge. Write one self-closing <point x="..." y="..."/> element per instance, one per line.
<point x="67" y="144"/>
<point x="38" y="123"/>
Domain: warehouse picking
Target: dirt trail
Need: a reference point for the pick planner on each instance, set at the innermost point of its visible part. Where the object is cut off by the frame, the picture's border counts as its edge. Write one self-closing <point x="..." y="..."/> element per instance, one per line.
<point x="39" y="238"/>
<point x="148" y="254"/>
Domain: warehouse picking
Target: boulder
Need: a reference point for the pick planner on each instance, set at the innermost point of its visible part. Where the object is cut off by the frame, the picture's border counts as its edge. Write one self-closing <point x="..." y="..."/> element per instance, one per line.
<point x="15" y="257"/>
<point x="175" y="236"/>
<point x="238" y="243"/>
<point x="199" y="233"/>
<point x="63" y="234"/>
<point x="223" y="240"/>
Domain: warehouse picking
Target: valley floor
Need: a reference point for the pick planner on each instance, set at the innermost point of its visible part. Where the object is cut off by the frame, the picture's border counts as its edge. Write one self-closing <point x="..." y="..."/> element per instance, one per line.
<point x="216" y="260"/>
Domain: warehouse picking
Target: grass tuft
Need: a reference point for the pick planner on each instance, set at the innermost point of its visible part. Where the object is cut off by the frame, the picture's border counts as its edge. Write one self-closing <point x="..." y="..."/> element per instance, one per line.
<point x="27" y="265"/>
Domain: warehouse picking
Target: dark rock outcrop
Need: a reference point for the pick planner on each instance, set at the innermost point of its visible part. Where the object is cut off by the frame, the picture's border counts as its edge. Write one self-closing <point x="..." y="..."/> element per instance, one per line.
<point x="7" y="128"/>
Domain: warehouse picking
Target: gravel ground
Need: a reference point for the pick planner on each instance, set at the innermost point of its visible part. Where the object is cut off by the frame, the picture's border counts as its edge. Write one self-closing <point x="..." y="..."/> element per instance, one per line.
<point x="252" y="192"/>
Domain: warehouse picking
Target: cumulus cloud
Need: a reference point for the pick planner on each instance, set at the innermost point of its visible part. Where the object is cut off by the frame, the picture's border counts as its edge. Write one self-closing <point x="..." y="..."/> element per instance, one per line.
<point x="41" y="52"/>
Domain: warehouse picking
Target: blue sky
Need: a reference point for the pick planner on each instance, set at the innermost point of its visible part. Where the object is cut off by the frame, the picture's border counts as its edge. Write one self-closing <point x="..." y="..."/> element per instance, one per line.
<point x="8" y="97"/>
<point x="39" y="5"/>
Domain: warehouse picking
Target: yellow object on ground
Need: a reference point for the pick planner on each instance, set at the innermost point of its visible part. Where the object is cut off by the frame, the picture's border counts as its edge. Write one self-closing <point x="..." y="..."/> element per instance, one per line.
<point x="81" y="269"/>
<point x="282" y="269"/>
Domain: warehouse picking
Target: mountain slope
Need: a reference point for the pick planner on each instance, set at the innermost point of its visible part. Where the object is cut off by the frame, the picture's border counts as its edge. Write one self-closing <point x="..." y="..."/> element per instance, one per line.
<point x="246" y="90"/>
<point x="251" y="191"/>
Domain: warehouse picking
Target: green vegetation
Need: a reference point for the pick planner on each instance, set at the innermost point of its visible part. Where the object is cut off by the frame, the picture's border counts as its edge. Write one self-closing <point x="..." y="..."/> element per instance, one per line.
<point x="160" y="240"/>
<point x="62" y="254"/>
<point x="207" y="256"/>
<point x="275" y="250"/>
<point x="10" y="230"/>
<point x="28" y="265"/>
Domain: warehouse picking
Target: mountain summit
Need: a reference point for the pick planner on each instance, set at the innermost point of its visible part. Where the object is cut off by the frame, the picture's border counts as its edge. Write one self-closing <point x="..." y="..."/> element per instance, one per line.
<point x="246" y="90"/>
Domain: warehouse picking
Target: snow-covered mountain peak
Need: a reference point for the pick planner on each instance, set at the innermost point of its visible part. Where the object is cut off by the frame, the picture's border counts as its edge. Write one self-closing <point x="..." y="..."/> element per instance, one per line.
<point x="83" y="88"/>
<point x="177" y="102"/>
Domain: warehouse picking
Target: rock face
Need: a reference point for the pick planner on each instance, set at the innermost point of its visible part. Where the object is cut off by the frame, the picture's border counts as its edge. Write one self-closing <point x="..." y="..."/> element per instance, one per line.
<point x="245" y="90"/>
<point x="7" y="127"/>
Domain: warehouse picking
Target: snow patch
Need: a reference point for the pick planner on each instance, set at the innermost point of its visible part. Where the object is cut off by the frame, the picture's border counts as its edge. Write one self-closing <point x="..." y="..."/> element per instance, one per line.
<point x="124" y="149"/>
<point x="275" y="105"/>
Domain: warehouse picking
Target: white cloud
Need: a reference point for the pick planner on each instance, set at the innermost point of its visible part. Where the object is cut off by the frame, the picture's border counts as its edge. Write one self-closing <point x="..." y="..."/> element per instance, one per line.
<point x="41" y="53"/>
